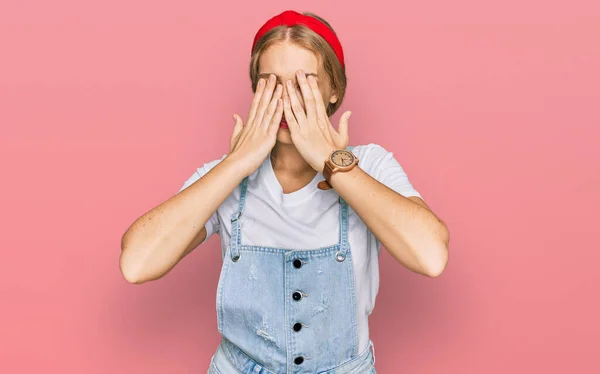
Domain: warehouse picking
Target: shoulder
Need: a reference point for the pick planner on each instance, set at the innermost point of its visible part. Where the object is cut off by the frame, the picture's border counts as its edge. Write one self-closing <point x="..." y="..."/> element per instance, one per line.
<point x="201" y="171"/>
<point x="372" y="156"/>
<point x="381" y="164"/>
<point x="369" y="150"/>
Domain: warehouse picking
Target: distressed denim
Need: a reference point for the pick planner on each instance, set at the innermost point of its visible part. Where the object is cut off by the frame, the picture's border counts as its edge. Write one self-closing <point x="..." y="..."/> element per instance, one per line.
<point x="288" y="311"/>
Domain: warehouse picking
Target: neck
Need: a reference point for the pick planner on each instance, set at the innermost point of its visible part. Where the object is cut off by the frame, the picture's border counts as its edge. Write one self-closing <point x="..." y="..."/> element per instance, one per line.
<point x="287" y="159"/>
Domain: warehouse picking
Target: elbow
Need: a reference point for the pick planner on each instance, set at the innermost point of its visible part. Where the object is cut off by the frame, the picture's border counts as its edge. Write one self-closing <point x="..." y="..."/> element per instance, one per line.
<point x="131" y="277"/>
<point x="439" y="260"/>
<point x="129" y="271"/>
<point x="129" y="263"/>
<point x="437" y="267"/>
<point x="130" y="266"/>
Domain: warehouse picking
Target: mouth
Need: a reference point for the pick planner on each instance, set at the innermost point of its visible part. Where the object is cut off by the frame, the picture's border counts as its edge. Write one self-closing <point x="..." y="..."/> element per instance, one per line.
<point x="283" y="124"/>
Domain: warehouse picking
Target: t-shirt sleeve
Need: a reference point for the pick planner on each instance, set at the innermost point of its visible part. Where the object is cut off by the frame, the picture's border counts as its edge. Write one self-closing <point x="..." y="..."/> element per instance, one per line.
<point x="383" y="166"/>
<point x="213" y="225"/>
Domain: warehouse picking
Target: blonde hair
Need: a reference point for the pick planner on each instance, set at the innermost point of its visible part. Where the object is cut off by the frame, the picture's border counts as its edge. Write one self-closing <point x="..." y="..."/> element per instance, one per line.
<point x="304" y="37"/>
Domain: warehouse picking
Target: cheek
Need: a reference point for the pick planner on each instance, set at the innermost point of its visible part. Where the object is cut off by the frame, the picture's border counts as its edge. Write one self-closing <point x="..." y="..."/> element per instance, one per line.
<point x="325" y="93"/>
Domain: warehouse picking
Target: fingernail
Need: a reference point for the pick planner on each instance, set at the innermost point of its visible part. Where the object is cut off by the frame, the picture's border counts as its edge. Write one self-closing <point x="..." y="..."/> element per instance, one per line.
<point x="261" y="82"/>
<point x="348" y="115"/>
<point x="234" y="119"/>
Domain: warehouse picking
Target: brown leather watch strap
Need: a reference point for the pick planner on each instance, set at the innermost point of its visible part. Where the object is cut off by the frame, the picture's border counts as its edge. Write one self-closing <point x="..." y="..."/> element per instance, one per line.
<point x="327" y="170"/>
<point x="324" y="184"/>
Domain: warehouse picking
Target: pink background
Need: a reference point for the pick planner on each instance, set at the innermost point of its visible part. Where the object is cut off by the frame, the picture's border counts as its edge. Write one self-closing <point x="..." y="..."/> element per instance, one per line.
<point x="107" y="107"/>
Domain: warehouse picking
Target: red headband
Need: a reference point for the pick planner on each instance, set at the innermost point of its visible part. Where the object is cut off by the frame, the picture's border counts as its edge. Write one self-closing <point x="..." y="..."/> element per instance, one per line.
<point x="290" y="18"/>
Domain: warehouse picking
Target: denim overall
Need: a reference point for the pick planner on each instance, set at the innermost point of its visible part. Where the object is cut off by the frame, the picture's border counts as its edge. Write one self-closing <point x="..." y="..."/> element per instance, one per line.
<point x="288" y="311"/>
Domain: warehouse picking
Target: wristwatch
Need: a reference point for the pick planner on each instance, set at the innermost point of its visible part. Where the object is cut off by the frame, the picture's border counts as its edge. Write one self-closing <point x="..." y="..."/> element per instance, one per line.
<point x="340" y="160"/>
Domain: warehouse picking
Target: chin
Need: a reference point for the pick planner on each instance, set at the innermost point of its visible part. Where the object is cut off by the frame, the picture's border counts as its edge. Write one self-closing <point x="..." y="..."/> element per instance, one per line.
<point x="284" y="136"/>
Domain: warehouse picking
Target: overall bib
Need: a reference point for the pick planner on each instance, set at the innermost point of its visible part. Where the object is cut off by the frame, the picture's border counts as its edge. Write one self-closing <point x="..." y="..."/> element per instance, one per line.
<point x="286" y="310"/>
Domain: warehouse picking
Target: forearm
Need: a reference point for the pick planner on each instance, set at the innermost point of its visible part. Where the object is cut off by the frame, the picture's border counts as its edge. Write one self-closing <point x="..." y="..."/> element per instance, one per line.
<point x="412" y="233"/>
<point x="156" y="241"/>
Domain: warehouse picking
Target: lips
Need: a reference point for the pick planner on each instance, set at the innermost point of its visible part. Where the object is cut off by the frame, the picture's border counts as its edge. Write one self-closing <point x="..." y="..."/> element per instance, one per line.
<point x="283" y="124"/>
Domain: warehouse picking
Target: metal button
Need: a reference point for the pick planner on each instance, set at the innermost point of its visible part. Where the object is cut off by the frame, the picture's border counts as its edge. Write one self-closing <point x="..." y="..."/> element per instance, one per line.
<point x="297" y="296"/>
<point x="339" y="256"/>
<point x="297" y="263"/>
<point x="298" y="360"/>
<point x="297" y="326"/>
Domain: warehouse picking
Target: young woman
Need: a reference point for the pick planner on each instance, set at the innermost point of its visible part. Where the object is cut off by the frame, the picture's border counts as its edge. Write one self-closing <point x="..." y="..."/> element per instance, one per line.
<point x="301" y="221"/>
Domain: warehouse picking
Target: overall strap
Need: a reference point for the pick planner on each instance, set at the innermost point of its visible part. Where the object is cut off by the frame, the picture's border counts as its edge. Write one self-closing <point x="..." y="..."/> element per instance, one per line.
<point x="236" y="229"/>
<point x="343" y="237"/>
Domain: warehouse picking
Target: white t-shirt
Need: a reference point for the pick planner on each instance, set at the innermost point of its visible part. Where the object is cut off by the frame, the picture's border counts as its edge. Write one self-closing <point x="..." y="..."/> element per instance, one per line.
<point x="309" y="218"/>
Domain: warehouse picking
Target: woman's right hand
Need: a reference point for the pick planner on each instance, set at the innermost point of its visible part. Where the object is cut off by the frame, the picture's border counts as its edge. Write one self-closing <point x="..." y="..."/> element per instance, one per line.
<point x="252" y="142"/>
<point x="159" y="239"/>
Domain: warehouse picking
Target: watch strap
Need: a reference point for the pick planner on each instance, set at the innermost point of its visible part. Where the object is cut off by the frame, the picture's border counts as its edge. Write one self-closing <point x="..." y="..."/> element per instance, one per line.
<point x="327" y="171"/>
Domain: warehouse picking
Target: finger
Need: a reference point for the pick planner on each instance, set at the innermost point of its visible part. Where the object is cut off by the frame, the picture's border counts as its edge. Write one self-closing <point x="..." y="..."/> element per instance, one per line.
<point x="307" y="94"/>
<point x="272" y="106"/>
<point x="265" y="99"/>
<point x="342" y="131"/>
<point x="319" y="103"/>
<point x="237" y="129"/>
<point x="276" y="120"/>
<point x="295" y="105"/>
<point x="289" y="115"/>
<point x="260" y="88"/>
<point x="238" y="125"/>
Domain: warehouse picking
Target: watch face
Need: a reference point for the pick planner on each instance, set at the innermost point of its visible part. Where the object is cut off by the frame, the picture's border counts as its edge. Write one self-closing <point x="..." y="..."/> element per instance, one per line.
<point x="342" y="158"/>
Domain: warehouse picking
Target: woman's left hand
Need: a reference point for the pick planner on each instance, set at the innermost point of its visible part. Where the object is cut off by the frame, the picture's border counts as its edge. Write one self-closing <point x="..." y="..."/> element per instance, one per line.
<point x="312" y="133"/>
